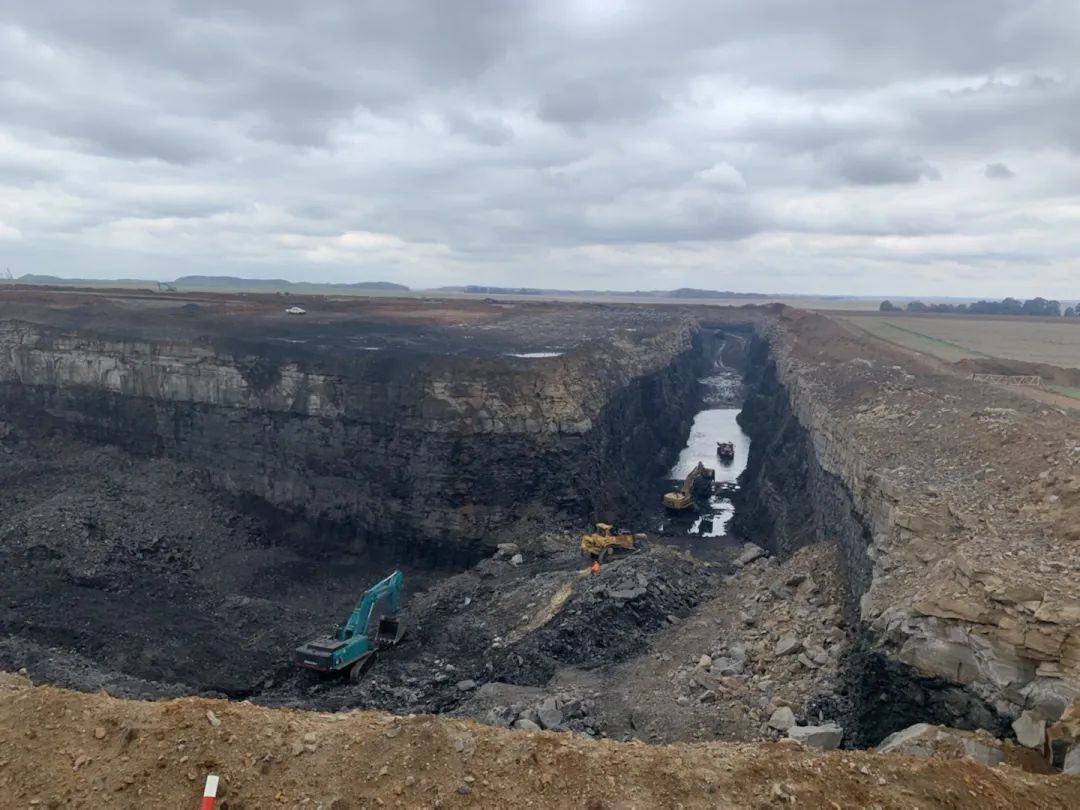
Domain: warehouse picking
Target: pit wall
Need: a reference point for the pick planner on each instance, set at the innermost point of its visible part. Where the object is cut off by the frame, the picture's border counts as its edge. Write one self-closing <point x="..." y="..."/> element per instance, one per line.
<point x="806" y="481"/>
<point x="429" y="453"/>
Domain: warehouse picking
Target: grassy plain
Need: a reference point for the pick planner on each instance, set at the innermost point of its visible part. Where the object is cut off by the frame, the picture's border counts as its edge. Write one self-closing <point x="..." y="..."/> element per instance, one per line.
<point x="1055" y="341"/>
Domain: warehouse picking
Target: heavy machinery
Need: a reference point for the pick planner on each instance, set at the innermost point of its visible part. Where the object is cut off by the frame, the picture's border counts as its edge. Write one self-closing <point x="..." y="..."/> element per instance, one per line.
<point x="725" y="451"/>
<point x="602" y="543"/>
<point x="351" y="647"/>
<point x="683" y="498"/>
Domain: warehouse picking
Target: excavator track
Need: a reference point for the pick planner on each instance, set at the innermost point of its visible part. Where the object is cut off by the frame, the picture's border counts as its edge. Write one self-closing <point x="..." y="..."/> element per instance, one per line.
<point x="360" y="666"/>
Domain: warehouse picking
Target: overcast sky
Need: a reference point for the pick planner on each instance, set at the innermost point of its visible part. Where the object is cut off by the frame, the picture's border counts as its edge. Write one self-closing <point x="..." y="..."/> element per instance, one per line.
<point x="823" y="146"/>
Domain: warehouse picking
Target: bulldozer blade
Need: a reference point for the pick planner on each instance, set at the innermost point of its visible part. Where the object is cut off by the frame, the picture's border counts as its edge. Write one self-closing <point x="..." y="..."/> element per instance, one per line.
<point x="389" y="631"/>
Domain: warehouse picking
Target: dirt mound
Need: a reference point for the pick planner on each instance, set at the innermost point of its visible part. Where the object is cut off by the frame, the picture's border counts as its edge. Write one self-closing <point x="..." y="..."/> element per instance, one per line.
<point x="61" y="748"/>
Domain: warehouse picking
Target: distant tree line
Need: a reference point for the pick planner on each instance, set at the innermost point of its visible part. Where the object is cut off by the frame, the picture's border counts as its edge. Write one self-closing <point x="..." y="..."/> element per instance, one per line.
<point x="1007" y="306"/>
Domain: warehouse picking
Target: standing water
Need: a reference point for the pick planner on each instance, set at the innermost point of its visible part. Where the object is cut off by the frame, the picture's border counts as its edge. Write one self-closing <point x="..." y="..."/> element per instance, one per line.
<point x="707" y="522"/>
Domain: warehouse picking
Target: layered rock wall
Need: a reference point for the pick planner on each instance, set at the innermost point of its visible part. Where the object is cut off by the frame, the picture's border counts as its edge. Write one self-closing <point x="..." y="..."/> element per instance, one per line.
<point x="395" y="446"/>
<point x="960" y="570"/>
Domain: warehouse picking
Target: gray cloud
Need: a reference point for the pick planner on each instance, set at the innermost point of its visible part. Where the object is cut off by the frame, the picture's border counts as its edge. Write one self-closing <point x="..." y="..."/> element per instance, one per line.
<point x="812" y="146"/>
<point x="875" y="166"/>
<point x="999" y="171"/>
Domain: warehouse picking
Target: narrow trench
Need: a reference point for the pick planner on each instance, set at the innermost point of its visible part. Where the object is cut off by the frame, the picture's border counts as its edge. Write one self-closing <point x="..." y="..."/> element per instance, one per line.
<point x="704" y="529"/>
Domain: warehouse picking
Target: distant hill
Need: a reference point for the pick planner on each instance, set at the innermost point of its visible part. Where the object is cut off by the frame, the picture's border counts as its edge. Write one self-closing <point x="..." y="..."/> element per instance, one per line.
<point x="681" y="293"/>
<point x="689" y="292"/>
<point x="235" y="282"/>
<point x="222" y="282"/>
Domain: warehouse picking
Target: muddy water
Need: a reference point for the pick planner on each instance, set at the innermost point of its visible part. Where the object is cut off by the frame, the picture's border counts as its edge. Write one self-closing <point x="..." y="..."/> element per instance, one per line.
<point x="704" y="529"/>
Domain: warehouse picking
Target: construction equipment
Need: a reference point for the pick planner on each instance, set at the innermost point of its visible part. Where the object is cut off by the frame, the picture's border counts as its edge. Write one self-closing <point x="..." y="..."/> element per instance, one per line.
<point x="603" y="542"/>
<point x="351" y="647"/>
<point x="725" y="451"/>
<point x="683" y="498"/>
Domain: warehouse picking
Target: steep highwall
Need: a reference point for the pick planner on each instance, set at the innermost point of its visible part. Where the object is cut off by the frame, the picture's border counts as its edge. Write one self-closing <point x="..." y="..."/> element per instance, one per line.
<point x="938" y="643"/>
<point x="427" y="451"/>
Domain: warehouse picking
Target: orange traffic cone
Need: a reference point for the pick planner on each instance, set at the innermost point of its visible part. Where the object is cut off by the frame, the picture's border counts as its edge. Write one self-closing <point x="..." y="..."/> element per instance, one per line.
<point x="595" y="567"/>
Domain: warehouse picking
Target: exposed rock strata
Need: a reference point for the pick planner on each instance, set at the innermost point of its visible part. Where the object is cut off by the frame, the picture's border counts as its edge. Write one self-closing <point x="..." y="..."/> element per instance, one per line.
<point x="393" y="446"/>
<point x="956" y="508"/>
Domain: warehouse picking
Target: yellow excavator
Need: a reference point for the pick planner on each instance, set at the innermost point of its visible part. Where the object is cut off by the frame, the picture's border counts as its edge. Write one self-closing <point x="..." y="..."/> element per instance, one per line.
<point x="683" y="498"/>
<point x="602" y="543"/>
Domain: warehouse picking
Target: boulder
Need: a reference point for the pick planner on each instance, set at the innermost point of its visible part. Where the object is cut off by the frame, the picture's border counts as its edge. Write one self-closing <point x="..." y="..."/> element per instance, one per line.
<point x="1072" y="761"/>
<point x="550" y="715"/>
<point x="1030" y="730"/>
<point x="467" y="685"/>
<point x="749" y="553"/>
<point x="827" y="736"/>
<point x="517" y="559"/>
<point x="788" y="645"/>
<point x="704" y="661"/>
<point x="916" y="740"/>
<point x="925" y="740"/>
<point x="526" y="725"/>
<point x="782" y="719"/>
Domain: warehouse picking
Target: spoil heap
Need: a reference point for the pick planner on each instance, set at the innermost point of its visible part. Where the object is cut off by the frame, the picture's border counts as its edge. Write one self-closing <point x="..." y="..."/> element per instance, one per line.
<point x="60" y="748"/>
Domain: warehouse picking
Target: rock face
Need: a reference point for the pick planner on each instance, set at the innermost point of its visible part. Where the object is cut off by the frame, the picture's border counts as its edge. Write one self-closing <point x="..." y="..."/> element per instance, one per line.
<point x="950" y="503"/>
<point x="435" y="452"/>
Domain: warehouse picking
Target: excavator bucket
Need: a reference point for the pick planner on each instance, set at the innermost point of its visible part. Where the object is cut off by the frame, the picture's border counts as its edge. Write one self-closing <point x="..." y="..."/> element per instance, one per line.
<point x="389" y="631"/>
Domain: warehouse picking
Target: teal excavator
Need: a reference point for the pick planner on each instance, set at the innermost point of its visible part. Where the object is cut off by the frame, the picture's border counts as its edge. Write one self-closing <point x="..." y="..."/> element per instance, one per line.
<point x="351" y="648"/>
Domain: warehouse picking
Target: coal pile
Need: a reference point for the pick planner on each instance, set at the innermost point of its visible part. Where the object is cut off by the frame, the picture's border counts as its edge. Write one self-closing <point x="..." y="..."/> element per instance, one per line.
<point x="605" y="619"/>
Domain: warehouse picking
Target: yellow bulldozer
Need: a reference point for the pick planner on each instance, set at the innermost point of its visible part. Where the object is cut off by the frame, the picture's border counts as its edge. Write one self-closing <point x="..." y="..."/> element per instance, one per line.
<point x="604" y="542"/>
<point x="683" y="498"/>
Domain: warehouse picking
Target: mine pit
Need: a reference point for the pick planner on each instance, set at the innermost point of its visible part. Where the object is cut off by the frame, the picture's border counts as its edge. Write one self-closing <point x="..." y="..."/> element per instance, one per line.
<point x="179" y="513"/>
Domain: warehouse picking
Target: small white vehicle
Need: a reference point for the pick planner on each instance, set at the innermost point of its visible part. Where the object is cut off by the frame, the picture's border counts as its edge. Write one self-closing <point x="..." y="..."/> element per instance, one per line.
<point x="296" y="311"/>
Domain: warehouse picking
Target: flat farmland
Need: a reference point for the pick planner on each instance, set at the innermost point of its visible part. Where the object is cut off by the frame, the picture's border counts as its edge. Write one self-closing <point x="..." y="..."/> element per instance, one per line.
<point x="1053" y="341"/>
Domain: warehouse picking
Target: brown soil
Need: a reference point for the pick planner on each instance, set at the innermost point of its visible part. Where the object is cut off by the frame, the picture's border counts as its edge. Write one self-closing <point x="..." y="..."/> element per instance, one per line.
<point x="61" y="749"/>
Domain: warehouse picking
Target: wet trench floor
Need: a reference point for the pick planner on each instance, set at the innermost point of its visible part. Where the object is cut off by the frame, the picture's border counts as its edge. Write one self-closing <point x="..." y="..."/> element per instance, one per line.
<point x="702" y="530"/>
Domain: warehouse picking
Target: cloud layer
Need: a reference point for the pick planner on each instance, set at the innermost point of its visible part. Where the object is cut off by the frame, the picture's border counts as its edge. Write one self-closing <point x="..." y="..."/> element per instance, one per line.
<point x="837" y="146"/>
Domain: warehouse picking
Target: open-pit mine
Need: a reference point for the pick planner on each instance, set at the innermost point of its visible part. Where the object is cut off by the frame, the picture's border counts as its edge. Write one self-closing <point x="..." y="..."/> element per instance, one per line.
<point x="879" y="553"/>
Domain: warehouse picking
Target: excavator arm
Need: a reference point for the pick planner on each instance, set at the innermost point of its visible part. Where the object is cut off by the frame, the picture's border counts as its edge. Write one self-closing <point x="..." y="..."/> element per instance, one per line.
<point x="388" y="589"/>
<point x="691" y="477"/>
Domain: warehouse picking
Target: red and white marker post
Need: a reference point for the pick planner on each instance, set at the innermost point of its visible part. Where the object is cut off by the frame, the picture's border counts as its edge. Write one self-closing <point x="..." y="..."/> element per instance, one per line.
<point x="209" y="792"/>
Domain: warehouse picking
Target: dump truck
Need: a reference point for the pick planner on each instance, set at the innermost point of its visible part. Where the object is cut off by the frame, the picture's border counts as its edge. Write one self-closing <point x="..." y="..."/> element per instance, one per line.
<point x="351" y="648"/>
<point x="604" y="542"/>
<point x="683" y="498"/>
